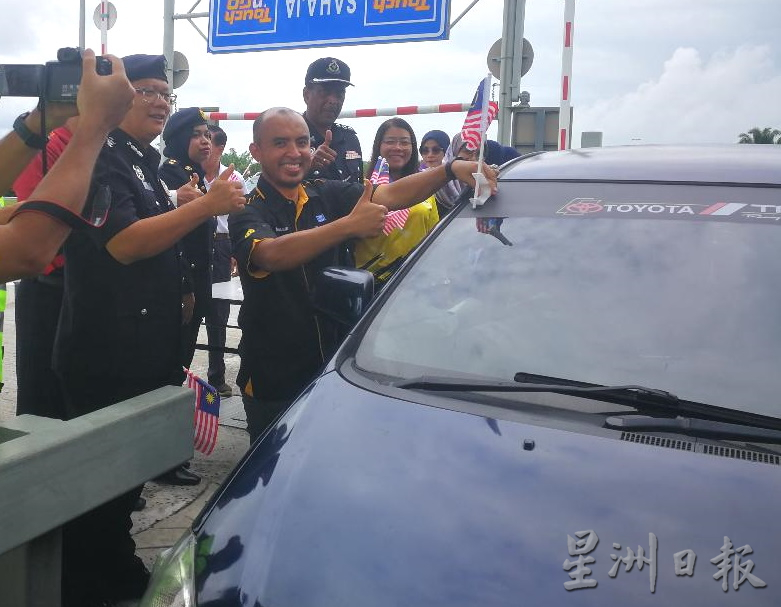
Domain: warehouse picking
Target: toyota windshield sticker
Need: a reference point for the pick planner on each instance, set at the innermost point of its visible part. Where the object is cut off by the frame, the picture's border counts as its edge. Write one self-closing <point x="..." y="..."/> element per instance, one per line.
<point x="731" y="211"/>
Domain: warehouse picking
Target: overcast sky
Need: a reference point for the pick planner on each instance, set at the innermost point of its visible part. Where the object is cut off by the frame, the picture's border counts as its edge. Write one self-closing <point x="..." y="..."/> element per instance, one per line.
<point x="644" y="71"/>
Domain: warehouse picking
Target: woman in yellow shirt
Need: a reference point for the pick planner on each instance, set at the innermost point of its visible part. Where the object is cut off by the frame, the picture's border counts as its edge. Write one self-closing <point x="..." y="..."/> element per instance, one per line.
<point x="395" y="143"/>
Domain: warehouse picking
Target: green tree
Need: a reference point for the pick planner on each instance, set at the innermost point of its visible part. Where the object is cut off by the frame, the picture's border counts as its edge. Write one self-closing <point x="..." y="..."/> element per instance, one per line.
<point x="244" y="163"/>
<point x="757" y="135"/>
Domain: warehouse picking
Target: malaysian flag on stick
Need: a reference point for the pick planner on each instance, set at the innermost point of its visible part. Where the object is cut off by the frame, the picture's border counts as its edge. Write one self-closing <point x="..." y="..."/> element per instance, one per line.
<point x="480" y="114"/>
<point x="381" y="172"/>
<point x="394" y="219"/>
<point x="207" y="413"/>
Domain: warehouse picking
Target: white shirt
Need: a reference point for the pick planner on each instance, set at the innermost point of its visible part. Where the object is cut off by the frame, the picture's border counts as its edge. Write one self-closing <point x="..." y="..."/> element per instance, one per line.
<point x="222" y="220"/>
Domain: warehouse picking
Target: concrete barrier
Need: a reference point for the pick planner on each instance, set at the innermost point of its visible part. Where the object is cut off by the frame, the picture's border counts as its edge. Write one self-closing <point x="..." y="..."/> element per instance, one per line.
<point x="52" y="471"/>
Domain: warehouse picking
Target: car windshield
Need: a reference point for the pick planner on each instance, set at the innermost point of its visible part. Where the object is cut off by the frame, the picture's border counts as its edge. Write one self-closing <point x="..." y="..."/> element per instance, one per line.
<point x="683" y="297"/>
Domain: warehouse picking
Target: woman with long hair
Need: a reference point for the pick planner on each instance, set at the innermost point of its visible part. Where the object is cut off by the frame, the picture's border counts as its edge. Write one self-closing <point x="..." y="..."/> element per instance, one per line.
<point x="395" y="155"/>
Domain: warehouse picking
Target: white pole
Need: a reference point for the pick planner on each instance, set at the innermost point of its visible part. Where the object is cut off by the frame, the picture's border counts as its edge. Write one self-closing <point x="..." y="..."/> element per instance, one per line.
<point x="486" y="84"/>
<point x="82" y="17"/>
<point x="565" y="136"/>
<point x="103" y="27"/>
<point x="168" y="39"/>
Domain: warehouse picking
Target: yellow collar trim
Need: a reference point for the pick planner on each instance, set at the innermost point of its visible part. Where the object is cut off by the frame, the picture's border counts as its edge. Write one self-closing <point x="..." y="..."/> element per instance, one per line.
<point x="303" y="198"/>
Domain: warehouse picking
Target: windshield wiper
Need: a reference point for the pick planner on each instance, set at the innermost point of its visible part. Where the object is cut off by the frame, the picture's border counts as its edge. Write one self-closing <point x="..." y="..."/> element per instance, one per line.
<point x="631" y="395"/>
<point x="702" y="428"/>
<point x="644" y="399"/>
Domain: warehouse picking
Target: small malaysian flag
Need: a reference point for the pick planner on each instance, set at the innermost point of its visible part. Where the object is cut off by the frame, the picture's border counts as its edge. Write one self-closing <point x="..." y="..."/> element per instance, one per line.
<point x="394" y="219"/>
<point x="207" y="413"/>
<point x="381" y="172"/>
<point x="480" y="114"/>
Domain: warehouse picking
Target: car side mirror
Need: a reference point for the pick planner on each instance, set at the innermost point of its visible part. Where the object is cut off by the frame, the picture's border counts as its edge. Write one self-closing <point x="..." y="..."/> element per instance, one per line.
<point x="343" y="293"/>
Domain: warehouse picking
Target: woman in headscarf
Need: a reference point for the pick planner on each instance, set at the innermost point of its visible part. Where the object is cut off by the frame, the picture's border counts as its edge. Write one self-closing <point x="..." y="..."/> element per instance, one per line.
<point x="432" y="148"/>
<point x="395" y="155"/>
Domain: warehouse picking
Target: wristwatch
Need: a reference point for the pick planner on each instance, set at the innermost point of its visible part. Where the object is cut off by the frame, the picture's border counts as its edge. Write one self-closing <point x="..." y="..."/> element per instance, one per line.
<point x="451" y="176"/>
<point x="30" y="139"/>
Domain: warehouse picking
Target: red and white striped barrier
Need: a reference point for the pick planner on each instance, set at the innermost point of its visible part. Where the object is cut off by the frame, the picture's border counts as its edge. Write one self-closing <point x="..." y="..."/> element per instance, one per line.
<point x="403" y="110"/>
<point x="566" y="76"/>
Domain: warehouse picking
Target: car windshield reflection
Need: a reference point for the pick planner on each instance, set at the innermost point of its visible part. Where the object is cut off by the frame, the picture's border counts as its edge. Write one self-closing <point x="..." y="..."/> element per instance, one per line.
<point x="686" y="306"/>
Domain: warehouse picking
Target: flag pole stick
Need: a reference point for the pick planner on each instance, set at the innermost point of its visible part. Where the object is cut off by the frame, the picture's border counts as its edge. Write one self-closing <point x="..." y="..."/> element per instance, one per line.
<point x="484" y="116"/>
<point x="482" y="187"/>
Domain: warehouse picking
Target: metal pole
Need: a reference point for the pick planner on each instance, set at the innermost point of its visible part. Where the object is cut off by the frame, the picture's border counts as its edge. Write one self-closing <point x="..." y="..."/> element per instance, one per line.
<point x="168" y="39"/>
<point x="103" y="27"/>
<point x="82" y="17"/>
<point x="510" y="67"/>
<point x="565" y="128"/>
<point x="461" y="16"/>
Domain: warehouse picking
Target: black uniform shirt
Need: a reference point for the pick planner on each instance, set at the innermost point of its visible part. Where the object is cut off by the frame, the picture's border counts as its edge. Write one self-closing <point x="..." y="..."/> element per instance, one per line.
<point x="121" y="320"/>
<point x="348" y="165"/>
<point x="284" y="342"/>
<point x="198" y="245"/>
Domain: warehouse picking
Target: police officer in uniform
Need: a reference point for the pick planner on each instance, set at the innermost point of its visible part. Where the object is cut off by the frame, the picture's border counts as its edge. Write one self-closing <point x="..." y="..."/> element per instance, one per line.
<point x="336" y="151"/>
<point x="120" y="328"/>
<point x="188" y="144"/>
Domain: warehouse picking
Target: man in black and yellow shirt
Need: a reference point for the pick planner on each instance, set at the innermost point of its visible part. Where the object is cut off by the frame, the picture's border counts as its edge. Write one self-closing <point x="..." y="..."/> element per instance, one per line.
<point x="287" y="233"/>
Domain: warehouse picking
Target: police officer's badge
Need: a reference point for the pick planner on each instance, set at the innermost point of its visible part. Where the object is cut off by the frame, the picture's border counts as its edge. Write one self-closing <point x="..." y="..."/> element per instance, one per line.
<point x="333" y="67"/>
<point x="142" y="177"/>
<point x="132" y="146"/>
<point x="352" y="155"/>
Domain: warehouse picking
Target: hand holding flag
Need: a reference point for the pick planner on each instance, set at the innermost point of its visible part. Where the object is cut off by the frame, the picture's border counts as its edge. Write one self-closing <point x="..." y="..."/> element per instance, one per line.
<point x="394" y="219"/>
<point x="207" y="413"/>
<point x="480" y="114"/>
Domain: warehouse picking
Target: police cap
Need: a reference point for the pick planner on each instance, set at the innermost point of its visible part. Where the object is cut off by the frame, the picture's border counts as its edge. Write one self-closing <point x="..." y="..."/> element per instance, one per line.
<point x="138" y="67"/>
<point x="328" y="69"/>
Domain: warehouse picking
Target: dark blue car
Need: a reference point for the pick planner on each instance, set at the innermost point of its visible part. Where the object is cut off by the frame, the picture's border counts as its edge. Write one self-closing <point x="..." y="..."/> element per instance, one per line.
<point x="568" y="396"/>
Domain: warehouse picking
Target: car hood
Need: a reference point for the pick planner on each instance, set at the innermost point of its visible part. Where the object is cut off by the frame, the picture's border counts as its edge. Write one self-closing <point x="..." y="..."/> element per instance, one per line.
<point x="357" y="499"/>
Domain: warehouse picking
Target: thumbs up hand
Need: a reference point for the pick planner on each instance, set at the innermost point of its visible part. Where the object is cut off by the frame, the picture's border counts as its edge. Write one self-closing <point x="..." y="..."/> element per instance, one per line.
<point x="189" y="191"/>
<point x="324" y="155"/>
<point x="227" y="173"/>
<point x="225" y="195"/>
<point x="367" y="218"/>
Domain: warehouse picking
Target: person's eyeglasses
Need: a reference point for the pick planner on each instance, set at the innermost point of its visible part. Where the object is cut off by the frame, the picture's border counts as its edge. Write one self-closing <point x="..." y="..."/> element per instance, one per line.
<point x="151" y="95"/>
<point x="431" y="150"/>
<point x="402" y="143"/>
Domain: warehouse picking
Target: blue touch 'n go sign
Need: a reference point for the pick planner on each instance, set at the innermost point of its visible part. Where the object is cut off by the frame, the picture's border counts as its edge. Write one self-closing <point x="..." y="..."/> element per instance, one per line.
<point x="252" y="25"/>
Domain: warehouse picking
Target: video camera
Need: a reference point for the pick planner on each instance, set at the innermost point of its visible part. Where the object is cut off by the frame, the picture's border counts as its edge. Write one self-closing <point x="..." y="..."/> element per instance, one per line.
<point x="56" y="81"/>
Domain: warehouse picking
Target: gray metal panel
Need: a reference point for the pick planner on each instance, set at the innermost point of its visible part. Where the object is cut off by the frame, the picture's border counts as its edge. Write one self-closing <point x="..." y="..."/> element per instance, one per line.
<point x="716" y="164"/>
<point x="59" y="470"/>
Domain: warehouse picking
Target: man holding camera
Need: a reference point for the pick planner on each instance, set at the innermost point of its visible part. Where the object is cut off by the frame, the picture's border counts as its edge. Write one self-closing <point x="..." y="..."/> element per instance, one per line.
<point x="120" y="327"/>
<point x="30" y="240"/>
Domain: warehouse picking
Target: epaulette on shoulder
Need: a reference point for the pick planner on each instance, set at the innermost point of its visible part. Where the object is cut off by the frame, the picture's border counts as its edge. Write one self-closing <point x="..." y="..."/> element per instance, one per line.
<point x="344" y="127"/>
